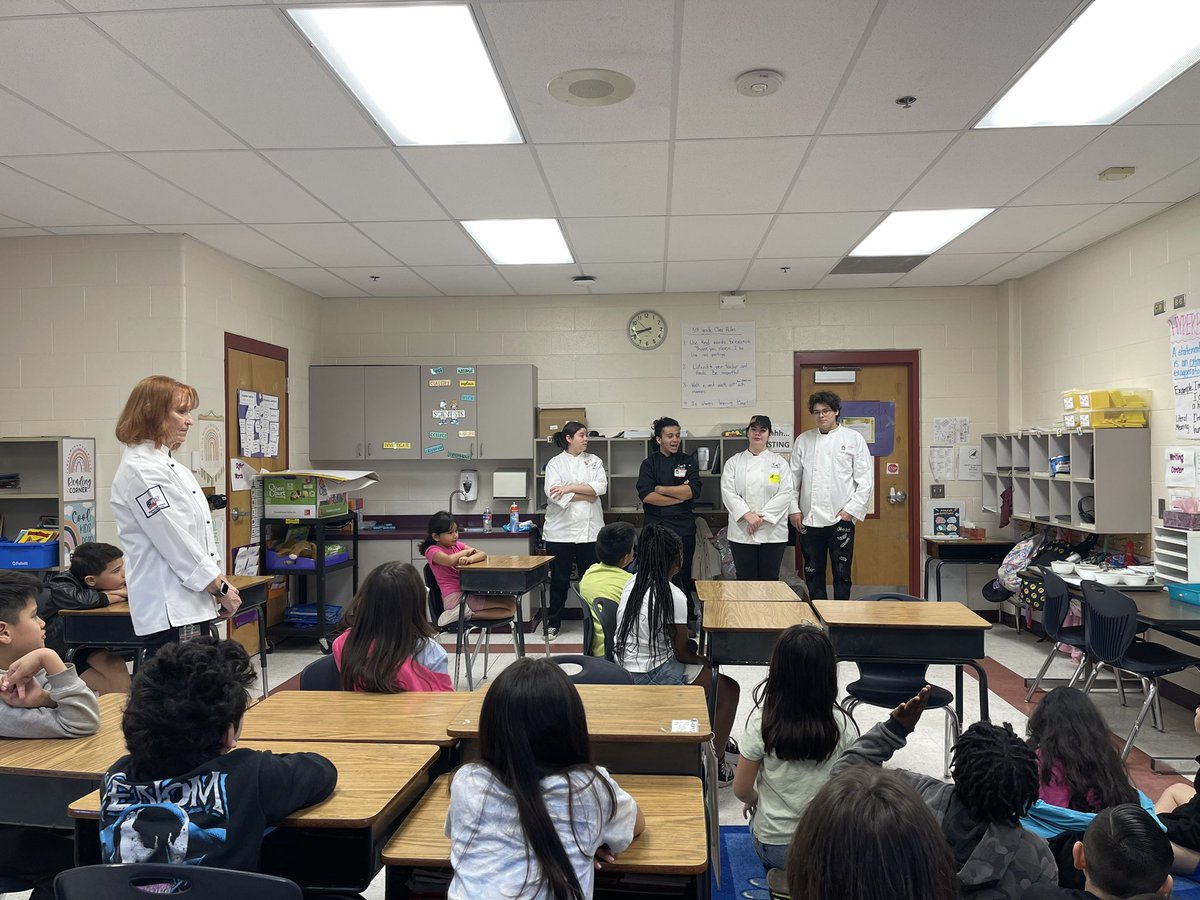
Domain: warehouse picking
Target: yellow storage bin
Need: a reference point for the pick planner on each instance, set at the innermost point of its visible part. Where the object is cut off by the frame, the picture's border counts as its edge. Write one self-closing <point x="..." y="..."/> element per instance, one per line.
<point x="1070" y="400"/>
<point x="1114" y="398"/>
<point x="1113" y="418"/>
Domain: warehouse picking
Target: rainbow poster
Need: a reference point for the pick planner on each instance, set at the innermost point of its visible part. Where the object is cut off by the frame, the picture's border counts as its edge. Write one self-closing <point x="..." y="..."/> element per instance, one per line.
<point x="79" y="469"/>
<point x="78" y="526"/>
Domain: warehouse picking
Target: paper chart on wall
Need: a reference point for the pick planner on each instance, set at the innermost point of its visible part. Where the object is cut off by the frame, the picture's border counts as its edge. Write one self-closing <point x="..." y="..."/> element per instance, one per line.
<point x="718" y="365"/>
<point x="258" y="424"/>
<point x="941" y="463"/>
<point x="970" y="464"/>
<point x="951" y="430"/>
<point x="1185" y="372"/>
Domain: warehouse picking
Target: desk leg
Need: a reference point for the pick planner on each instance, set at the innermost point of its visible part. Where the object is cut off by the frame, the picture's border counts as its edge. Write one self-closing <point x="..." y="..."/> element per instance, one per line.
<point x="937" y="577"/>
<point x="925" y="589"/>
<point x="958" y="692"/>
<point x="545" y="609"/>
<point x="984" y="715"/>
<point x="519" y="632"/>
<point x="262" y="646"/>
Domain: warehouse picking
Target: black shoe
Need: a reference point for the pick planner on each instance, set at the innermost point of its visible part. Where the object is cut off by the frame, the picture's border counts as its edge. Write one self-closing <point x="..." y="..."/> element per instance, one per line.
<point x="732" y="749"/>
<point x="725" y="772"/>
<point x="552" y="633"/>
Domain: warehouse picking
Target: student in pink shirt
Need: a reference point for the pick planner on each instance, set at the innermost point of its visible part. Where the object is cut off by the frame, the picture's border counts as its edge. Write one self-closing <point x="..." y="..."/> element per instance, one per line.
<point x="446" y="555"/>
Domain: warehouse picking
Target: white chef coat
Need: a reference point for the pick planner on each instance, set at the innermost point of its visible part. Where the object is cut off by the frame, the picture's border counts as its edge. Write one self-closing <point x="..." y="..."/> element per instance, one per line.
<point x="762" y="484"/>
<point x="579" y="522"/>
<point x="833" y="472"/>
<point x="165" y="528"/>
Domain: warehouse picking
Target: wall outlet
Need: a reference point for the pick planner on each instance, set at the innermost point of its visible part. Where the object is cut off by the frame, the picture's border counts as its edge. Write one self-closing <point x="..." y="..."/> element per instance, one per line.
<point x="1180" y="301"/>
<point x="1162" y="507"/>
<point x="937" y="491"/>
<point x="1160" y="307"/>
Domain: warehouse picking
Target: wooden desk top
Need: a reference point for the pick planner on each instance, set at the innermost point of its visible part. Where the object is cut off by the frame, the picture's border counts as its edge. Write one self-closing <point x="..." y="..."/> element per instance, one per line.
<point x="510" y="563"/>
<point x="85" y="757"/>
<point x="373" y="780"/>
<point x="717" y="591"/>
<point x="898" y="614"/>
<point x="410" y="718"/>
<point x="121" y="607"/>
<point x="746" y="615"/>
<point x="674" y="842"/>
<point x="620" y="713"/>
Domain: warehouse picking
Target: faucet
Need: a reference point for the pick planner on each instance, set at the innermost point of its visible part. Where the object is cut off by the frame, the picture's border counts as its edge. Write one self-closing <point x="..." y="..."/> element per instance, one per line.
<point x="457" y="492"/>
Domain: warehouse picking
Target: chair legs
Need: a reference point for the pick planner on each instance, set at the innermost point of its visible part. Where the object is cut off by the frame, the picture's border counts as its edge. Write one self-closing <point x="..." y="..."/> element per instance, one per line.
<point x="953" y="731"/>
<point x="1083" y="662"/>
<point x="1151" y="698"/>
<point x="1042" y="671"/>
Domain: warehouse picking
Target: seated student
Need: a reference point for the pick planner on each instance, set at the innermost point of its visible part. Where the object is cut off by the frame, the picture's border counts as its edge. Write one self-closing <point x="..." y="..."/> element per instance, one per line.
<point x="1124" y="854"/>
<point x="184" y="793"/>
<point x="995" y="784"/>
<point x="1179" y="810"/>
<point x="40" y="697"/>
<point x="96" y="578"/>
<point x="446" y="554"/>
<point x="608" y="577"/>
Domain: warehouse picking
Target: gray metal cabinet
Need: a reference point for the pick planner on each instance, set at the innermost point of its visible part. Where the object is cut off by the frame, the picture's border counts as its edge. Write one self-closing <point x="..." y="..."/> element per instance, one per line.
<point x="392" y="421"/>
<point x="449" y="411"/>
<point x="336" y="412"/>
<point x="507" y="397"/>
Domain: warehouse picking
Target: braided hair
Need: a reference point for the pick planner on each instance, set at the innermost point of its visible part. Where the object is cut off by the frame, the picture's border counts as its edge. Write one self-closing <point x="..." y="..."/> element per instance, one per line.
<point x="659" y="551"/>
<point x="995" y="773"/>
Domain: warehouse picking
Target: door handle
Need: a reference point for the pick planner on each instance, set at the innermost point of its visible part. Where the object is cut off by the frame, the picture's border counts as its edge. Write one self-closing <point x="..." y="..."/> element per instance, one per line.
<point x="895" y="496"/>
<point x="368" y="448"/>
<point x="358" y="450"/>
<point x="235" y="513"/>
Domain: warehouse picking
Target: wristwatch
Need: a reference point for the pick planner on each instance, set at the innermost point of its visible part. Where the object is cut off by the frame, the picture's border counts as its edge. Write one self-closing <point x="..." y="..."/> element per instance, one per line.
<point x="224" y="591"/>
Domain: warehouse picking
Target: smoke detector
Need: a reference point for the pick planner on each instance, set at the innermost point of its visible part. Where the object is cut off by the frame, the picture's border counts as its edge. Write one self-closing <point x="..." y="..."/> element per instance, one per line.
<point x="758" y="82"/>
<point x="583" y="280"/>
<point x="591" y="87"/>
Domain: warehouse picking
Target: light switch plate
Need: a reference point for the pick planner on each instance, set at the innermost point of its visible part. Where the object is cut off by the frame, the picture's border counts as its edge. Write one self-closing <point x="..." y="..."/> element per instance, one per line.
<point x="937" y="491"/>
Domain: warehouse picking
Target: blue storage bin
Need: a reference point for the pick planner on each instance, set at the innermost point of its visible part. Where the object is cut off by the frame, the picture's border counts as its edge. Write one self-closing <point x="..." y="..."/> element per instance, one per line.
<point x="28" y="556"/>
<point x="1185" y="593"/>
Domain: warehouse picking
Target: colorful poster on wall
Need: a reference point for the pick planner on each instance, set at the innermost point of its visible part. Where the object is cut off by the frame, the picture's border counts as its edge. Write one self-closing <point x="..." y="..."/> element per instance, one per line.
<point x="1185" y="372"/>
<point x="79" y="525"/>
<point x="79" y="469"/>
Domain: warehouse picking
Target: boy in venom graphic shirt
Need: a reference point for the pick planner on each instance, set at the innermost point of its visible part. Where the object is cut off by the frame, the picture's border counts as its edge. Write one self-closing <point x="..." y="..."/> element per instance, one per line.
<point x="184" y="794"/>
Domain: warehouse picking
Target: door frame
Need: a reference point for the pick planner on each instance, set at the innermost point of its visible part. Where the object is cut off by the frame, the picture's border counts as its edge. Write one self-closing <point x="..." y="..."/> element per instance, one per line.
<point x="911" y="360"/>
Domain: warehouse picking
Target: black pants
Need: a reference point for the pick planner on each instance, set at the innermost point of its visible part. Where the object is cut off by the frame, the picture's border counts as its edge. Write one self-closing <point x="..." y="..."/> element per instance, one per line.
<point x="583" y="556"/>
<point x="35" y="855"/>
<point x="683" y="580"/>
<point x="835" y="542"/>
<point x="757" y="562"/>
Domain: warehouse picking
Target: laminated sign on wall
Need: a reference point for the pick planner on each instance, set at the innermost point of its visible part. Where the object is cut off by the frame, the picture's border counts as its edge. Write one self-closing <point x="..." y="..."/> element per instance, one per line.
<point x="718" y="365"/>
<point x="1185" y="373"/>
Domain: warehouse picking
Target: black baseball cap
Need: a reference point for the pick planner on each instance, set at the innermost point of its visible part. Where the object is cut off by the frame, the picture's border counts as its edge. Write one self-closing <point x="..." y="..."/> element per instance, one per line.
<point x="759" y="422"/>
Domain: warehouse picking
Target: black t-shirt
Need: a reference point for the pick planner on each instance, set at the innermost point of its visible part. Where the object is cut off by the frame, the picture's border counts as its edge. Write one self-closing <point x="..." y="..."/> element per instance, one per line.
<point x="669" y="471"/>
<point x="215" y="815"/>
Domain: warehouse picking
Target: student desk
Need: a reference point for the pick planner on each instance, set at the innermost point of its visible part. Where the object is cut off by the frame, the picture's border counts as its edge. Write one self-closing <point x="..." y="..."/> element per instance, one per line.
<point x="111" y="627"/>
<point x="743" y="632"/>
<point x="672" y="844"/>
<point x="629" y="725"/>
<point x="959" y="552"/>
<point x="333" y="846"/>
<point x="739" y="591"/>
<point x="515" y="576"/>
<point x="39" y="778"/>
<point x="905" y="632"/>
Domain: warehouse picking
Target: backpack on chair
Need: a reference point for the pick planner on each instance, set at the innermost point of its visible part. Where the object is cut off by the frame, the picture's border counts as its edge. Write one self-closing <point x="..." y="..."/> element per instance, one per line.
<point x="1008" y="580"/>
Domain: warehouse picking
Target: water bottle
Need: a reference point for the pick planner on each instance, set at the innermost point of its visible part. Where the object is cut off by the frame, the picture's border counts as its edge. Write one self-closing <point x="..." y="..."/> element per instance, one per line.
<point x="487" y="520"/>
<point x="514" y="518"/>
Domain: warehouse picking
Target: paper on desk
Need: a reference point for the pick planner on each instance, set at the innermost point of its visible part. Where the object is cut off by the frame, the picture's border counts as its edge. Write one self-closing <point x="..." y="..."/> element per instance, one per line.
<point x="689" y="725"/>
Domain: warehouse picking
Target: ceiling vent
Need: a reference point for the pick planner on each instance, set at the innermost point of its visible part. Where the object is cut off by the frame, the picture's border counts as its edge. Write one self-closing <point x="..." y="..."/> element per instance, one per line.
<point x="591" y="87"/>
<point x="877" y="265"/>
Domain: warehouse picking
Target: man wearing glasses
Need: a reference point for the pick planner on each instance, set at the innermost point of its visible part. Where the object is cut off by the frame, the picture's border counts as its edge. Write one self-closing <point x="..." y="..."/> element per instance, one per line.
<point x="834" y="478"/>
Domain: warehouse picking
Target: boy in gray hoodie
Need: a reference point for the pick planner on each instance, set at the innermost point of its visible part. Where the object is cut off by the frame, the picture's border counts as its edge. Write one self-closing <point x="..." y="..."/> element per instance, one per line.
<point x="995" y="782"/>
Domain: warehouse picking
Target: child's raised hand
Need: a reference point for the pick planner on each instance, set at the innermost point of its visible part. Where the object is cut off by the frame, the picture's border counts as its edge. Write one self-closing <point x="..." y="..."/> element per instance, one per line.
<point x="907" y="714"/>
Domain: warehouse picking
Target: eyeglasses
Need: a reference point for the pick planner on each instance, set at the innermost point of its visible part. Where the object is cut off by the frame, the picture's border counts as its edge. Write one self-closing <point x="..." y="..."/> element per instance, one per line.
<point x="823" y="412"/>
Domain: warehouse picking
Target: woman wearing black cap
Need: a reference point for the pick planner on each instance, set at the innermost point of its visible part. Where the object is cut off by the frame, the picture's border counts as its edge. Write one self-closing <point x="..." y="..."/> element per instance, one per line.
<point x="757" y="488"/>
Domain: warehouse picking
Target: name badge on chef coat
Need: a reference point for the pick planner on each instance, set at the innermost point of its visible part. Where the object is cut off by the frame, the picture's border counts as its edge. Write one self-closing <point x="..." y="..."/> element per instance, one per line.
<point x="681" y="471"/>
<point x="773" y="478"/>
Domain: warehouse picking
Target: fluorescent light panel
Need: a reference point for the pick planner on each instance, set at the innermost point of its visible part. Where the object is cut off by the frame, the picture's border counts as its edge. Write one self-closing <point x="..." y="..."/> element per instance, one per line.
<point x="1110" y="59"/>
<point x="917" y="231"/>
<point x="422" y="72"/>
<point x="520" y="242"/>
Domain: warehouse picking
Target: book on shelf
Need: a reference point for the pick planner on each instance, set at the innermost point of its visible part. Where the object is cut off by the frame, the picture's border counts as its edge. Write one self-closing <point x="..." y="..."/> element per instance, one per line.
<point x="37" y="536"/>
<point x="10" y="481"/>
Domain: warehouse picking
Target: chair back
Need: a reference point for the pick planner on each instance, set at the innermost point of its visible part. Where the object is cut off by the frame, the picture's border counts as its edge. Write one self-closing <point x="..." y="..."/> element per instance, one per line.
<point x="321" y="675"/>
<point x="895" y="679"/>
<point x="591" y="670"/>
<point x="606" y="612"/>
<point x="589" y="629"/>
<point x="437" y="605"/>
<point x="1109" y="622"/>
<point x="894" y="595"/>
<point x="1058" y="602"/>
<point x="130" y="881"/>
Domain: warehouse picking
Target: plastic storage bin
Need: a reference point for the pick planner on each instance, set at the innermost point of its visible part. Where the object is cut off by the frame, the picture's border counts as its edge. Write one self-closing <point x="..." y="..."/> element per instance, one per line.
<point x="1114" y="398"/>
<point x="281" y="562"/>
<point x="28" y="556"/>
<point x="1185" y="593"/>
<point x="1113" y="418"/>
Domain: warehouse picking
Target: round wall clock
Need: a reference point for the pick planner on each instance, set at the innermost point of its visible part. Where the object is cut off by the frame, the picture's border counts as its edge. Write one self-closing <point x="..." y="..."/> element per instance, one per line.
<point x="647" y="329"/>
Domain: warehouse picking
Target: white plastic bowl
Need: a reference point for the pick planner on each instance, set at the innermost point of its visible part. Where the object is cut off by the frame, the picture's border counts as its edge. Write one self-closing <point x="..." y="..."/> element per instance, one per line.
<point x="1083" y="568"/>
<point x="1135" y="578"/>
<point x="1141" y="570"/>
<point x="1062" y="568"/>
<point x="1109" y="578"/>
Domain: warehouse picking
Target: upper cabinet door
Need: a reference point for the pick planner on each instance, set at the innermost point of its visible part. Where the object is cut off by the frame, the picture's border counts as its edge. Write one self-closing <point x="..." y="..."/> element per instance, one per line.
<point x="507" y="397"/>
<point x="336" y="413"/>
<point x="393" y="412"/>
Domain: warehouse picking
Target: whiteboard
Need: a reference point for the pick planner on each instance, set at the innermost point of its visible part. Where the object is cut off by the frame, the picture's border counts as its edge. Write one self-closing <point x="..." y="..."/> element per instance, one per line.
<point x="718" y="365"/>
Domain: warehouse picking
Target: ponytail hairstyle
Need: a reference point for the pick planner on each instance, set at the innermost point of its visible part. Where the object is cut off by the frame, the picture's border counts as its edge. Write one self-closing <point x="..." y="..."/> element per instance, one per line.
<point x="801" y="724"/>
<point x="532" y="725"/>
<point x="660" y="424"/>
<point x="439" y="523"/>
<point x="567" y="431"/>
<point x="389" y="623"/>
<point x="659" y="550"/>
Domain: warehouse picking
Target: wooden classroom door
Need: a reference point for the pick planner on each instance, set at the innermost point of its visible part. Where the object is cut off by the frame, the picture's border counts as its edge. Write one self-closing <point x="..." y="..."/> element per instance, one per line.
<point x="885" y="387"/>
<point x="251" y="365"/>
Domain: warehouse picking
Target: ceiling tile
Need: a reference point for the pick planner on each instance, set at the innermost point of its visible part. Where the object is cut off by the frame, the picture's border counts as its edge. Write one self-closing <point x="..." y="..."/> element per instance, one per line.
<point x="715" y="237"/>
<point x="483" y="182"/>
<point x="1114" y="219"/>
<point x="617" y="239"/>
<point x="1017" y="228"/>
<point x="535" y="41"/>
<point x="862" y="171"/>
<point x="6" y="222"/>
<point x="990" y="167"/>
<point x="948" y="268"/>
<point x="360" y="185"/>
<point x="711" y="275"/>
<point x="952" y="56"/>
<point x="720" y="38"/>
<point x="1025" y="264"/>
<point x="856" y="282"/>
<point x="331" y="244"/>
<point x="27" y="200"/>
<point x="1179" y="185"/>
<point x="121" y="104"/>
<point x="31" y="8"/>
<point x="426" y="243"/>
<point x="21" y="232"/>
<point x="627" y="278"/>
<point x="214" y="56"/>
<point x="607" y="179"/>
<point x="240" y="183"/>
<point x="817" y="234"/>
<point x="241" y="242"/>
<point x="319" y="282"/>
<point x="1175" y="104"/>
<point x="27" y="130"/>
<point x="1155" y="150"/>
<point x="542" y="280"/>
<point x="394" y="281"/>
<point x="734" y="176"/>
<point x="115" y="183"/>
<point x="117" y="5"/>
<point x="465" y="281"/>
<point x="768" y="274"/>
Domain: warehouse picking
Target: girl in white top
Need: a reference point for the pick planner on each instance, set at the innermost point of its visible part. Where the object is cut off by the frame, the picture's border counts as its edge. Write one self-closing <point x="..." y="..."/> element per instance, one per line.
<point x="173" y="564"/>
<point x="758" y="492"/>
<point x="575" y="482"/>
<point x="533" y="817"/>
